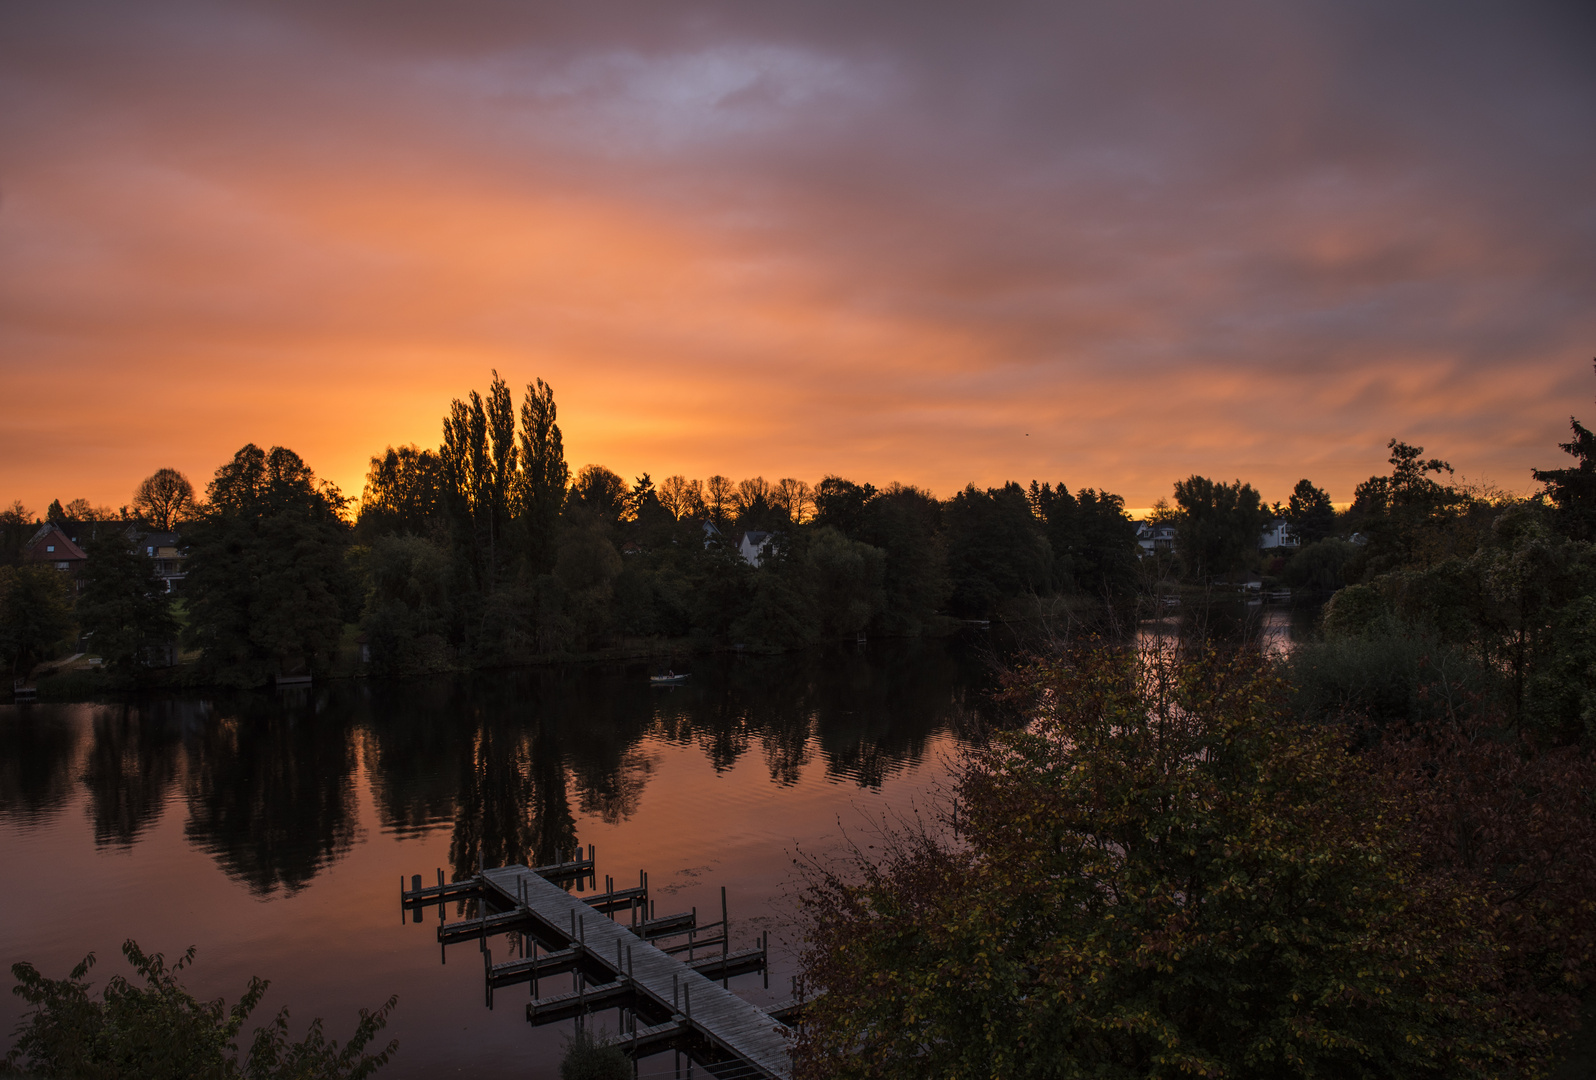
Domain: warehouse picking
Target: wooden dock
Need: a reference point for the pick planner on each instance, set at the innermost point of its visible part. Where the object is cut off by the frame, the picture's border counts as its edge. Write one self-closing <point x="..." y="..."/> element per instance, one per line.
<point x="616" y="965"/>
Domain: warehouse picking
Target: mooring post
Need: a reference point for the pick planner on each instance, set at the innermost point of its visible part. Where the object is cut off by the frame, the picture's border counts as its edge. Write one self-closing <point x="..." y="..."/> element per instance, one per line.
<point x="676" y="998"/>
<point x="725" y="940"/>
<point x="534" y="968"/>
<point x="764" y="956"/>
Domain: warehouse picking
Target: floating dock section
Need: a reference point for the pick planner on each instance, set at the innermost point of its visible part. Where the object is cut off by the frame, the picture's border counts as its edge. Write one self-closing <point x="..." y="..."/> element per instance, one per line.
<point x="667" y="974"/>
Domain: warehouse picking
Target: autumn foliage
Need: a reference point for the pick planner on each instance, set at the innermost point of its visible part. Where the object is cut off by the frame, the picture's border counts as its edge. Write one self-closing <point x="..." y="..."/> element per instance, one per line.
<point x="1165" y="875"/>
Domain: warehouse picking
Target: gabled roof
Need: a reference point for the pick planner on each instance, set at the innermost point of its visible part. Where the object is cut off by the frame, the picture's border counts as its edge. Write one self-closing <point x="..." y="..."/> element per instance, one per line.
<point x="50" y="535"/>
<point x="155" y="539"/>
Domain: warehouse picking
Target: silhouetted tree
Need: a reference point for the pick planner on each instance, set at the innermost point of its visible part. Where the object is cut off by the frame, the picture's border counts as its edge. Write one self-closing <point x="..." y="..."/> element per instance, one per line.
<point x="164" y="498"/>
<point x="1572" y="490"/>
<point x="599" y="492"/>
<point x="123" y="607"/>
<point x="794" y="498"/>
<point x="1219" y="524"/>
<point x="1406" y="514"/>
<point x="268" y="587"/>
<point x="847" y="581"/>
<point x="905" y="522"/>
<point x="16" y="529"/>
<point x="403" y="493"/>
<point x="1092" y="539"/>
<point x="1312" y="515"/>
<point x="35" y="614"/>
<point x="544" y="476"/>
<point x="841" y="504"/>
<point x="479" y="467"/>
<point x="720" y="499"/>
<point x="684" y="498"/>
<point x="996" y="549"/>
<point x="409" y="606"/>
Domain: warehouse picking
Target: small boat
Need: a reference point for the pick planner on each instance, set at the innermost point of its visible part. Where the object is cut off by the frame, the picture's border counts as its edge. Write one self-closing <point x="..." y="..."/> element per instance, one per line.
<point x="670" y="678"/>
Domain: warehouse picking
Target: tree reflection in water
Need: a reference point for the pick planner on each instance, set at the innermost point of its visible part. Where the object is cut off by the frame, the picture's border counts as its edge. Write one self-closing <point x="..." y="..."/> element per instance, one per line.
<point x="132" y="766"/>
<point x="506" y="761"/>
<point x="38" y="753"/>
<point x="270" y="788"/>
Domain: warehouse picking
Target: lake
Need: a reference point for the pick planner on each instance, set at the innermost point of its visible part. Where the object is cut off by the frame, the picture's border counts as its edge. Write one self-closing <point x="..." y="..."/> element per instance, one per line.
<point x="271" y="830"/>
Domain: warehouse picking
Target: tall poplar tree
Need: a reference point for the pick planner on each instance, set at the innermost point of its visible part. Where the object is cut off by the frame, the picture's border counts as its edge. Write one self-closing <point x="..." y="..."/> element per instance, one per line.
<point x="540" y="493"/>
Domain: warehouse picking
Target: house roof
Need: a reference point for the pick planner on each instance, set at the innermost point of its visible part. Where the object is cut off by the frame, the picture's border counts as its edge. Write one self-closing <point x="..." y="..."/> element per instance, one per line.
<point x="156" y="539"/>
<point x="50" y="535"/>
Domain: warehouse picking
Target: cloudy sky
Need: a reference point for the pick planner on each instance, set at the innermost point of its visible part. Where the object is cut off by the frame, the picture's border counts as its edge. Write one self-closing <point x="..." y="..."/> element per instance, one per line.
<point x="1104" y="242"/>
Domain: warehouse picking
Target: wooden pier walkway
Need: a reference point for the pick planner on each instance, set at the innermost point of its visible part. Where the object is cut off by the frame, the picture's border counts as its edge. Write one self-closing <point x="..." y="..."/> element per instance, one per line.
<point x="637" y="969"/>
<point x="630" y="964"/>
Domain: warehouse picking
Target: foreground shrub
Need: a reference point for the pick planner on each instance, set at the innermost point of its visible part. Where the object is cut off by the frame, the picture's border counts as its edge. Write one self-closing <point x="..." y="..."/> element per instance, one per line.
<point x="159" y="1031"/>
<point x="586" y="1058"/>
<point x="1162" y="876"/>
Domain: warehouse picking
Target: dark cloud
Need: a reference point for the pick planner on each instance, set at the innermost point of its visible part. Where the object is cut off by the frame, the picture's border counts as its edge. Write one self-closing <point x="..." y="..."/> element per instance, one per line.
<point x="1164" y="238"/>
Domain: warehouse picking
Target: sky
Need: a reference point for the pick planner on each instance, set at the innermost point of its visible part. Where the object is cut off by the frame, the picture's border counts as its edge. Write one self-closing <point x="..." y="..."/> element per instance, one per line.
<point x="1106" y="243"/>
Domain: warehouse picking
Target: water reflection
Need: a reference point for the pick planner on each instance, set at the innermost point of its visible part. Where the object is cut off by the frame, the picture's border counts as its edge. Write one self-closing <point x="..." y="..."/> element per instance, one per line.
<point x="507" y="762"/>
<point x="269" y="789"/>
<point x="38" y="752"/>
<point x="131" y="769"/>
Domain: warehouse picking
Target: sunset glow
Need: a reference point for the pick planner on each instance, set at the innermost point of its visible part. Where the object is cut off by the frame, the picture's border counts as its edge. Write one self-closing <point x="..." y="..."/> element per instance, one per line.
<point x="936" y="246"/>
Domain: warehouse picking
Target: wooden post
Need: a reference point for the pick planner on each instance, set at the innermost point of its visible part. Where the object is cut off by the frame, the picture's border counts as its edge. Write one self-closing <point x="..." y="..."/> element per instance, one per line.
<point x="676" y="998"/>
<point x="725" y="940"/>
<point x="534" y="968"/>
<point x="764" y="956"/>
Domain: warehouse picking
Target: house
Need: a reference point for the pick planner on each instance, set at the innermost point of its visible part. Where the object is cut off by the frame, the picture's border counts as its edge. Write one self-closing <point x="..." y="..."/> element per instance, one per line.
<point x="51" y="544"/>
<point x="1278" y="534"/>
<point x="170" y="557"/>
<point x="1155" y="539"/>
<point x="756" y="547"/>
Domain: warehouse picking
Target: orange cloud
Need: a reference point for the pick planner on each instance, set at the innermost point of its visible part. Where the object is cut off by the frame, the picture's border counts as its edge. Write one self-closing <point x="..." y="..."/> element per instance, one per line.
<point x="1080" y="251"/>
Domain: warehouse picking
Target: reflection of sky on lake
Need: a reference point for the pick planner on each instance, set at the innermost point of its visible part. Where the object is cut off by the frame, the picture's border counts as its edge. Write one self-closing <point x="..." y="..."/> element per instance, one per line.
<point x="269" y="831"/>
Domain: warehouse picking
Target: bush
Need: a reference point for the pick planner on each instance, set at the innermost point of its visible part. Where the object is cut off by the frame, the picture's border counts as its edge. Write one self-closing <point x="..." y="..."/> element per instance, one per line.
<point x="586" y="1058"/>
<point x="1161" y="876"/>
<point x="159" y="1031"/>
<point x="1397" y="676"/>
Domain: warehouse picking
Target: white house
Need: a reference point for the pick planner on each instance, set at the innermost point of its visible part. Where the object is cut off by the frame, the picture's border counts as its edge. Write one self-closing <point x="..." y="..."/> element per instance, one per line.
<point x="1278" y="534"/>
<point x="756" y="547"/>
<point x="1155" y="539"/>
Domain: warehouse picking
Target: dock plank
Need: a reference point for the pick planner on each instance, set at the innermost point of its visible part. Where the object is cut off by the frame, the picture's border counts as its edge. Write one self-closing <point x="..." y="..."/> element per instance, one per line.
<point x="719" y="1016"/>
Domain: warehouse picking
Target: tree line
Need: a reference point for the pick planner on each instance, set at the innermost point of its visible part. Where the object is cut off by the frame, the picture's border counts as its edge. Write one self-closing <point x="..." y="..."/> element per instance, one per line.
<point x="488" y="551"/>
<point x="1372" y="857"/>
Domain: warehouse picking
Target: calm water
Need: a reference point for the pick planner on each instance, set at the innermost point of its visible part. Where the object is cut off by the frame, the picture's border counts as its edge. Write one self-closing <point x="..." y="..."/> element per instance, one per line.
<point x="272" y="830"/>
